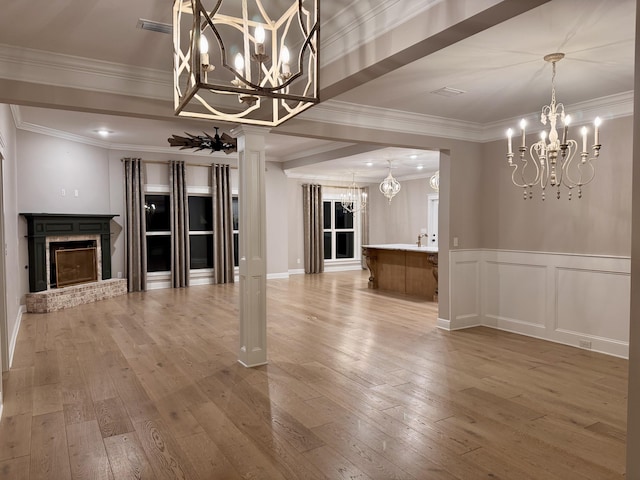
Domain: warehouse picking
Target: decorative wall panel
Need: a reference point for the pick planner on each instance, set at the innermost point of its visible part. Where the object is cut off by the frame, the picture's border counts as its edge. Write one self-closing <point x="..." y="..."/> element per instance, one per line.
<point x="580" y="300"/>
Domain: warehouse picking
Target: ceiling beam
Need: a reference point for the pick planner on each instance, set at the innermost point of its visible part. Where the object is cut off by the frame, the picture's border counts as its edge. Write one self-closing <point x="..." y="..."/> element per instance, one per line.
<point x="344" y="152"/>
<point x="435" y="28"/>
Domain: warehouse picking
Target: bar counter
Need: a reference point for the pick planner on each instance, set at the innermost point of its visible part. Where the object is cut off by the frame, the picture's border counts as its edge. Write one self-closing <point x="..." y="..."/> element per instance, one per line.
<point x="403" y="268"/>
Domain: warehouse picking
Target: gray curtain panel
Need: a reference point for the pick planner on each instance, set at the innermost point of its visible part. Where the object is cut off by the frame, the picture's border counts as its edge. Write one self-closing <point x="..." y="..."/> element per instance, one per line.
<point x="364" y="225"/>
<point x="222" y="224"/>
<point x="312" y="212"/>
<point x="136" y="247"/>
<point x="180" y="263"/>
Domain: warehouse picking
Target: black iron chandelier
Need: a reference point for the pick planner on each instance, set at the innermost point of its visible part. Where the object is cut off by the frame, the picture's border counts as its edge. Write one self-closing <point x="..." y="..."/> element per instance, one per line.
<point x="245" y="61"/>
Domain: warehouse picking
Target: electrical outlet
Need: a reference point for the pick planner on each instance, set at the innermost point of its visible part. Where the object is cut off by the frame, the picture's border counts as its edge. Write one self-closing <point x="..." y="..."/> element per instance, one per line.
<point x="585" y="344"/>
<point x="455" y="241"/>
<point x="76" y="193"/>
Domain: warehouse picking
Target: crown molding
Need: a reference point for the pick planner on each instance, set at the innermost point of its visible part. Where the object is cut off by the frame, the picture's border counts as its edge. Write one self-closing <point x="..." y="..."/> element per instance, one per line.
<point x="16" y="115"/>
<point x="607" y="108"/>
<point x="48" y="68"/>
<point x="313" y="151"/>
<point x="354" y="115"/>
<point x="368" y="181"/>
<point x="389" y="120"/>
<point x="36" y="66"/>
<point x="52" y="132"/>
<point x="366" y="26"/>
<point x="352" y="28"/>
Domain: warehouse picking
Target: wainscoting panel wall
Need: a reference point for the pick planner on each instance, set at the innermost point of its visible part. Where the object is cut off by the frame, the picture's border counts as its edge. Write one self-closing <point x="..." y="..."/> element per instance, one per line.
<point x="580" y="300"/>
<point x="465" y="280"/>
<point x="515" y="296"/>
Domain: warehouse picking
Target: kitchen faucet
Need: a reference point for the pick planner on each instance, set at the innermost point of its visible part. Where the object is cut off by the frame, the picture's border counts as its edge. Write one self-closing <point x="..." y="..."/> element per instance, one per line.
<point x="420" y="238"/>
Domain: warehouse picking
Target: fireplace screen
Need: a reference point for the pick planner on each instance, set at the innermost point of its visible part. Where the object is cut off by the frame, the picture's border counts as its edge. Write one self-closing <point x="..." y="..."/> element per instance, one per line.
<point x="76" y="265"/>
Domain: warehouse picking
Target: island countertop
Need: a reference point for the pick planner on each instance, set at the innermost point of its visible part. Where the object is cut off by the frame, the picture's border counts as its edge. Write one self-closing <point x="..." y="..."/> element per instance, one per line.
<point x="403" y="268"/>
<point x="410" y="247"/>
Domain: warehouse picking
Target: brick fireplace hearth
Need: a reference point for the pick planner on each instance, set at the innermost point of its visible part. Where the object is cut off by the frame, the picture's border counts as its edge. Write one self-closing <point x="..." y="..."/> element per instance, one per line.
<point x="45" y="229"/>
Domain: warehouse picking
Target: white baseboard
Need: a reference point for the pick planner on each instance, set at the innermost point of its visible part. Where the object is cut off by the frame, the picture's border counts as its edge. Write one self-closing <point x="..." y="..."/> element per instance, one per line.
<point x="444" y="324"/>
<point x="274" y="276"/>
<point x="329" y="269"/>
<point x="14" y="338"/>
<point x="342" y="268"/>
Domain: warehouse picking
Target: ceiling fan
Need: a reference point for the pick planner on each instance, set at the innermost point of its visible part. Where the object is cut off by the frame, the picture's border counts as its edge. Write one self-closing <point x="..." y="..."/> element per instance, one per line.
<point x="217" y="143"/>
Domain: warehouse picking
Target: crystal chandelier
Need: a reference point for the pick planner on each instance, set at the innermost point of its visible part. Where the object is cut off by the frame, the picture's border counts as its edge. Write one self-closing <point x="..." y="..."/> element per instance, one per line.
<point x="245" y="61"/>
<point x="434" y="181"/>
<point x="550" y="159"/>
<point x="389" y="186"/>
<point x="353" y="199"/>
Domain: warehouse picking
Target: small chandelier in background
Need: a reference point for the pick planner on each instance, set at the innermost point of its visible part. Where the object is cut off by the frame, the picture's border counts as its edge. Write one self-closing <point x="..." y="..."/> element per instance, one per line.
<point x="434" y="181"/>
<point x="550" y="160"/>
<point x="389" y="186"/>
<point x="232" y="59"/>
<point x="354" y="199"/>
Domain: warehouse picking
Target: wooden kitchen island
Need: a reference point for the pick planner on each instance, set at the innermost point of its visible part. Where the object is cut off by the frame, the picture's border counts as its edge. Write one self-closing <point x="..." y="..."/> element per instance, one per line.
<point x="403" y="268"/>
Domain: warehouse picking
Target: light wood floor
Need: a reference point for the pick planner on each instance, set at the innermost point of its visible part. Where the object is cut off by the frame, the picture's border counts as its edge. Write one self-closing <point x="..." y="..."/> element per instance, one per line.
<point x="359" y="386"/>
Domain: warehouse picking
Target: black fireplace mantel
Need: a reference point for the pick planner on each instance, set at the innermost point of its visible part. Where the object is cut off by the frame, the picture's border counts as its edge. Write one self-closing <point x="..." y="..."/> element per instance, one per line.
<point x="43" y="225"/>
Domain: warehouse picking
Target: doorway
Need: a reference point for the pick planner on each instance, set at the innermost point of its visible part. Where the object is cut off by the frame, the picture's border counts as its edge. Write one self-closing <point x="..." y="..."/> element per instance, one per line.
<point x="432" y="219"/>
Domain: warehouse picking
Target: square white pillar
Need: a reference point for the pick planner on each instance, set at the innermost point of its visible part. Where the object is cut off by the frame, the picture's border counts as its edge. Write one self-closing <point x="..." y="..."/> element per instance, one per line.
<point x="252" y="245"/>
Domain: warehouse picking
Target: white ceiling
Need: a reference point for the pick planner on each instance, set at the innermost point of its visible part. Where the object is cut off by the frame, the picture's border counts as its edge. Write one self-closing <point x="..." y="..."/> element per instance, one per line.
<point x="500" y="70"/>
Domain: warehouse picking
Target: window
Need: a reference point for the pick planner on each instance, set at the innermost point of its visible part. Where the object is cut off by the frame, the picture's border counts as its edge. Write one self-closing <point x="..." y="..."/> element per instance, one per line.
<point x="158" y="224"/>
<point x="339" y="232"/>
<point x="201" y="232"/>
<point x="236" y="235"/>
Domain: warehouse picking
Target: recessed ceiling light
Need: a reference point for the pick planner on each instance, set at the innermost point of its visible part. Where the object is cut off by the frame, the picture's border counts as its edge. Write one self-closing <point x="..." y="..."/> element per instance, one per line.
<point x="413" y="157"/>
<point x="420" y="167"/>
<point x="369" y="164"/>
<point x="103" y="132"/>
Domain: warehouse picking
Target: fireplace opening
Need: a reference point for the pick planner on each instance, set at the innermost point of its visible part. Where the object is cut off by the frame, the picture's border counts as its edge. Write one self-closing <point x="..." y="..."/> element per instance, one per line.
<point x="72" y="263"/>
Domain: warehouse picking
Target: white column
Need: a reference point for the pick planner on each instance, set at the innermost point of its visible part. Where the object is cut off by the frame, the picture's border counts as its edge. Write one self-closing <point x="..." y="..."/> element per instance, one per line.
<point x="253" y="245"/>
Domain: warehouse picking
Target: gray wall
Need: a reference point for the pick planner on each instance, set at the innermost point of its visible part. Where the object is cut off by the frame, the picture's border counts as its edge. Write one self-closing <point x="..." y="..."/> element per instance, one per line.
<point x="401" y="220"/>
<point x="49" y="164"/>
<point x="599" y="223"/>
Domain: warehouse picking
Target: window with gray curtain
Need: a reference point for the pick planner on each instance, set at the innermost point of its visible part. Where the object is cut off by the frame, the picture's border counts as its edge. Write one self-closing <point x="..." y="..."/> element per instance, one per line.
<point x="179" y="224"/>
<point x="313" y="228"/>
<point x="223" y="271"/>
<point x="136" y="242"/>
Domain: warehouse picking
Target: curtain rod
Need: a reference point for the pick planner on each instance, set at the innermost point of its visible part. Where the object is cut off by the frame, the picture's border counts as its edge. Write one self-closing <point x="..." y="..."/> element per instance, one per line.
<point x="166" y="162"/>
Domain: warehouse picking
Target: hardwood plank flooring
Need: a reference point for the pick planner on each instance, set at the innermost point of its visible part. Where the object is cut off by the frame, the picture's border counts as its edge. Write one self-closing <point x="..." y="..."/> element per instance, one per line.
<point x="360" y="385"/>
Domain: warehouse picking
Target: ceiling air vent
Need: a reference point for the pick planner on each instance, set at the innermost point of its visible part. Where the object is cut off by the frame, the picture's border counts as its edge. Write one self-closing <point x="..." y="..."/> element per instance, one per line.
<point x="448" y="92"/>
<point x="154" y="26"/>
